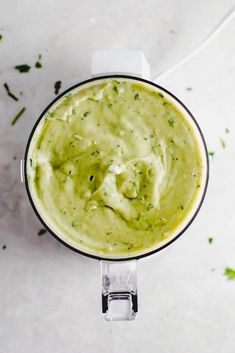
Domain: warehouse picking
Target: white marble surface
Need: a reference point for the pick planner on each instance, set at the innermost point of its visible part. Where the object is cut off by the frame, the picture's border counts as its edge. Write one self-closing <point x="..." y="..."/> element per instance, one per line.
<point x="50" y="296"/>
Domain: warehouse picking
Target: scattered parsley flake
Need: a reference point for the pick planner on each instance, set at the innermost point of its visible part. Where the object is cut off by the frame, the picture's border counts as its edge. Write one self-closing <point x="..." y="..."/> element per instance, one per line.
<point x="189" y="89"/>
<point x="1" y="36"/>
<point x="211" y="153"/>
<point x="227" y="130"/>
<point x="41" y="231"/>
<point x="9" y="92"/>
<point x="57" y="86"/>
<point x="182" y="207"/>
<point x="230" y="273"/>
<point x="222" y="143"/>
<point x="136" y="96"/>
<point x="210" y="240"/>
<point x="86" y="113"/>
<point x="160" y="95"/>
<point x="38" y="65"/>
<point x="30" y="162"/>
<point x="18" y="115"/>
<point x="23" y="68"/>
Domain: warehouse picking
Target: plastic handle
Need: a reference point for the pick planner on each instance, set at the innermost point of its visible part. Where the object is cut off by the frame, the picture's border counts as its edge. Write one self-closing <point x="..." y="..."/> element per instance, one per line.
<point x="119" y="290"/>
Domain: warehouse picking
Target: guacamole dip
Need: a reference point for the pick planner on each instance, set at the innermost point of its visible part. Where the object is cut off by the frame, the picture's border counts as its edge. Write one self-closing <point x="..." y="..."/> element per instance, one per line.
<point x="114" y="168"/>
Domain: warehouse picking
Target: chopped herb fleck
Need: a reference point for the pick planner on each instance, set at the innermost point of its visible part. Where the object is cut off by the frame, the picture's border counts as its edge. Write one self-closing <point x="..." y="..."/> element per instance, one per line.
<point x="95" y="153"/>
<point x="210" y="240"/>
<point x="30" y="162"/>
<point x="189" y="89"/>
<point x="38" y="65"/>
<point x="86" y="113"/>
<point x="136" y="96"/>
<point x="23" y="68"/>
<point x="57" y="86"/>
<point x="211" y="153"/>
<point x="1" y="36"/>
<point x="115" y="89"/>
<point x="230" y="273"/>
<point x="182" y="207"/>
<point x="160" y="95"/>
<point x="222" y="143"/>
<point x="91" y="177"/>
<point x="42" y="231"/>
<point x="4" y="247"/>
<point x="110" y="105"/>
<point x="18" y="115"/>
<point x="227" y="130"/>
<point x="149" y="207"/>
<point x="9" y="92"/>
<point x="171" y="122"/>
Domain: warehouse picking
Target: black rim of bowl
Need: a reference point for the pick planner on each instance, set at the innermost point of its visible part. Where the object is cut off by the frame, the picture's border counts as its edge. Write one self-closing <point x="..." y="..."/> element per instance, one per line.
<point x="97" y="257"/>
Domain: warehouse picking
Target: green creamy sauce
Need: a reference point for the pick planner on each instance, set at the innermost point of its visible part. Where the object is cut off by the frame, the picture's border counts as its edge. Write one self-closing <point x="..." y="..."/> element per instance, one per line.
<point x="114" y="168"/>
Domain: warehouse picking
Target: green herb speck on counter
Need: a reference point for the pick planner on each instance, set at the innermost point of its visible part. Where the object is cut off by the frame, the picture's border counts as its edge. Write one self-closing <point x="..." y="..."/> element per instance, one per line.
<point x="230" y="273"/>
<point x="189" y="89"/>
<point x="210" y="240"/>
<point x="57" y="86"/>
<point x="9" y="92"/>
<point x="41" y="231"/>
<point x="38" y="65"/>
<point x="223" y="144"/>
<point x="23" y="68"/>
<point x="18" y="115"/>
<point x="211" y="153"/>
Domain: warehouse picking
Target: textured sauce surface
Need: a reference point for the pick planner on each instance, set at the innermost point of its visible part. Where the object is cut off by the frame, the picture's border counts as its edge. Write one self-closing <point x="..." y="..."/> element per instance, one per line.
<point x="114" y="168"/>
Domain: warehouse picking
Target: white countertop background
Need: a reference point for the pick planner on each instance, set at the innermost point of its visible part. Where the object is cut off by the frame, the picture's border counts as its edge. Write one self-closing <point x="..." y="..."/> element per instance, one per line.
<point x="50" y="297"/>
